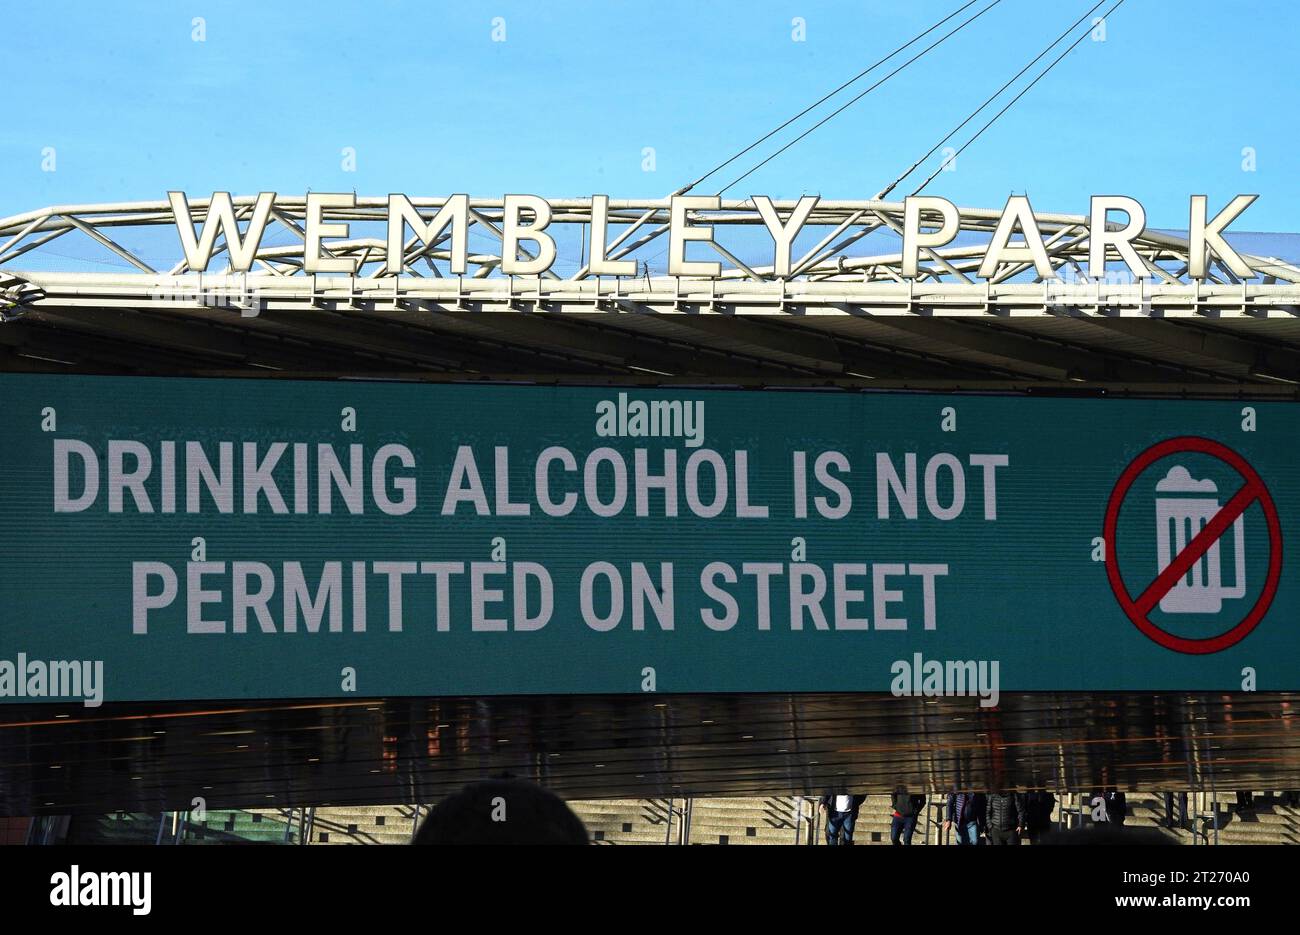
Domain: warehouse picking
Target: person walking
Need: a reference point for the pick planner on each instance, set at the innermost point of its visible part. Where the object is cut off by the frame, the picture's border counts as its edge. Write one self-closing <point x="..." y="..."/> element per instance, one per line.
<point x="1006" y="817"/>
<point x="907" y="808"/>
<point x="965" y="815"/>
<point x="1116" y="807"/>
<point x="1037" y="819"/>
<point x="841" y="811"/>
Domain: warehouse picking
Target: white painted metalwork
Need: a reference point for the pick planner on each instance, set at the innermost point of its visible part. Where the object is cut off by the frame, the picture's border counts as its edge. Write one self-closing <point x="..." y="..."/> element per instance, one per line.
<point x="835" y="271"/>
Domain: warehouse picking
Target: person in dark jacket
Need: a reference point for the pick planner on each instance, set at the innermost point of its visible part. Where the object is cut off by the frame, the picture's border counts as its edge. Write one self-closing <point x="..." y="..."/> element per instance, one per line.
<point x="1005" y="817"/>
<point x="1116" y="807"/>
<point x="965" y="814"/>
<point x="841" y="813"/>
<point x="1037" y="820"/>
<point x="906" y="809"/>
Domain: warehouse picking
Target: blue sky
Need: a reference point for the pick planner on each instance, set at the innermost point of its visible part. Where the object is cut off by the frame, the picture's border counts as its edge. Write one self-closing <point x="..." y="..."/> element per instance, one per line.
<point x="565" y="106"/>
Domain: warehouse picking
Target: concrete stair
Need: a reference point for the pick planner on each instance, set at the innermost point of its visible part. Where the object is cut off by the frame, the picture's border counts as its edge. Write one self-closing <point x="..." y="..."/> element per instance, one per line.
<point x="628" y="821"/>
<point x="1269" y="822"/>
<point x="725" y="821"/>
<point x="770" y="820"/>
<point x="363" y="824"/>
<point x="114" y="828"/>
<point x="242" y="826"/>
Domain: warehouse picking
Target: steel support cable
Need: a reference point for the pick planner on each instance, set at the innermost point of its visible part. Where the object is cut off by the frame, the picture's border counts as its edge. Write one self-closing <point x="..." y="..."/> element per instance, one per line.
<point x="681" y="191"/>
<point x="883" y="193"/>
<point x="1070" y="48"/>
<point x="835" y="113"/>
<point x="811" y="107"/>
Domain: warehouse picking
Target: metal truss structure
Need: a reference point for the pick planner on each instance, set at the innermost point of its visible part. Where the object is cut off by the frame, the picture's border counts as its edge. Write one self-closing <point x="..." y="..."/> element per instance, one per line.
<point x="831" y="276"/>
<point x="845" y="316"/>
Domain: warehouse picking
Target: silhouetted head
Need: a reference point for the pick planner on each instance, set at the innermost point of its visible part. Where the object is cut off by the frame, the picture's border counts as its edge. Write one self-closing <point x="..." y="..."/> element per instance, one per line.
<point x="502" y="811"/>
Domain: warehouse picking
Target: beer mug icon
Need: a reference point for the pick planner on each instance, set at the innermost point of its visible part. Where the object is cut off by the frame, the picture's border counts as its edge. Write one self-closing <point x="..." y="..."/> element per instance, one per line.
<point x="1184" y="506"/>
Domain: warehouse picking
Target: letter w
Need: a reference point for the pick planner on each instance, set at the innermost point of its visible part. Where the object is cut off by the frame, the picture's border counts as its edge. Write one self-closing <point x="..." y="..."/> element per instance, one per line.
<point x="220" y="219"/>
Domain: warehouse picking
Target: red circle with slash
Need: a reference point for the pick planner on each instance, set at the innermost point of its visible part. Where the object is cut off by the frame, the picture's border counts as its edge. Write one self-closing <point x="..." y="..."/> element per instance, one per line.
<point x="1139" y="609"/>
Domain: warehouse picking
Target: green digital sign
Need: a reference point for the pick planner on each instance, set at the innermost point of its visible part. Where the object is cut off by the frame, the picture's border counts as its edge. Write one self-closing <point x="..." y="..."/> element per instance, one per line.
<point x="212" y="539"/>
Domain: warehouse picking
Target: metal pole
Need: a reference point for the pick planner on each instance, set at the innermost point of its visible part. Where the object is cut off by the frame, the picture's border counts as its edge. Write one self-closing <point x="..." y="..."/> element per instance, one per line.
<point x="309" y="820"/>
<point x="162" y="823"/>
<point x="668" y="824"/>
<point x="415" y="822"/>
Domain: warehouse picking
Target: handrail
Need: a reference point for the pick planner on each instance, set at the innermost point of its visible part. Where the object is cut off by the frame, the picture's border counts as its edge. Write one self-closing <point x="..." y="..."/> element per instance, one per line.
<point x="415" y="823"/>
<point x="288" y="827"/>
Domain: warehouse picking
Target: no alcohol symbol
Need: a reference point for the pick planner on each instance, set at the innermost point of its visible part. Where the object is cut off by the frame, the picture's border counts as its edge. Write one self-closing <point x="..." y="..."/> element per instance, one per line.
<point x="1192" y="527"/>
